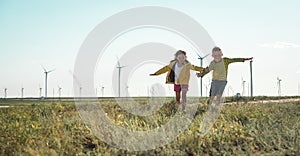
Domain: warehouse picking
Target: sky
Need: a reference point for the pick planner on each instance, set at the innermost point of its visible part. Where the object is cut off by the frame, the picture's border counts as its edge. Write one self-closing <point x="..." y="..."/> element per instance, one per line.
<point x="50" y="33"/>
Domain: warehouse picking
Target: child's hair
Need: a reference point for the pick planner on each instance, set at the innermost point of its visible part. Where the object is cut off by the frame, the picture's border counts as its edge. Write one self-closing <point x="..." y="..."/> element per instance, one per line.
<point x="217" y="49"/>
<point x="180" y="52"/>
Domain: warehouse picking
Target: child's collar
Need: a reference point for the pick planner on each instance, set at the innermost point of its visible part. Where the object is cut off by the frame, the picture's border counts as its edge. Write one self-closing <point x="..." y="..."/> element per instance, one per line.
<point x="218" y="61"/>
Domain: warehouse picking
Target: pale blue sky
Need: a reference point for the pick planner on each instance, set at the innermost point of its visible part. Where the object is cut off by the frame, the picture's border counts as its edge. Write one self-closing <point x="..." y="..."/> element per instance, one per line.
<point x="50" y="33"/>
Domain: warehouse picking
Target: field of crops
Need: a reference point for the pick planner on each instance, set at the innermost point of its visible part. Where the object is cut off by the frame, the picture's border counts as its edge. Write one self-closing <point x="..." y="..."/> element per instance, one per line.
<point x="55" y="128"/>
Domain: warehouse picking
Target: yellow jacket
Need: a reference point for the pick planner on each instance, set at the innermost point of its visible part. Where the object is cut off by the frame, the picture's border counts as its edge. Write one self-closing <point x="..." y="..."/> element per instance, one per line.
<point x="184" y="76"/>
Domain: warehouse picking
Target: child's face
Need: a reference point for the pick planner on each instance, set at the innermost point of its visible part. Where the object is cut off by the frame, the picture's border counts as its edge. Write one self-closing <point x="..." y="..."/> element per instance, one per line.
<point x="180" y="58"/>
<point x="217" y="55"/>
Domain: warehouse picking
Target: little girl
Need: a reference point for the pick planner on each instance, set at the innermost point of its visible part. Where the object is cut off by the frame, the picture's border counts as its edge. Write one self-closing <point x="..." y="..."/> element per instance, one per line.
<point x="178" y="73"/>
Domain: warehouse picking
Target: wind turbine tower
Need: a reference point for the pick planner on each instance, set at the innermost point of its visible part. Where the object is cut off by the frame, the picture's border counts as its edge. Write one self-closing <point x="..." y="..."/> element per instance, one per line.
<point x="102" y="90"/>
<point x="77" y="82"/>
<point x="96" y="89"/>
<point x="207" y="87"/>
<point x="40" y="91"/>
<point x="119" y="83"/>
<point x="22" y="92"/>
<point x="126" y="89"/>
<point x="59" y="91"/>
<point x="279" y="86"/>
<point x="251" y="79"/>
<point x="248" y="89"/>
<point x="46" y="79"/>
<point x="299" y="88"/>
<point x="5" y="93"/>
<point x="243" y="86"/>
<point x="80" y="91"/>
<point x="230" y="89"/>
<point x="201" y="64"/>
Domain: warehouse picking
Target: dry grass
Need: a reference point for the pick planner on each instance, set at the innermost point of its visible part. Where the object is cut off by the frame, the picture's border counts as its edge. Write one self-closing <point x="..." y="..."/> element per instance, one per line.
<point x="55" y="128"/>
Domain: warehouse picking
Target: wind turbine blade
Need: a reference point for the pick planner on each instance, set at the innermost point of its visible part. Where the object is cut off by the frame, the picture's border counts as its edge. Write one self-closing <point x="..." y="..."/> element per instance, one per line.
<point x="44" y="68"/>
<point x="51" y="70"/>
<point x="118" y="62"/>
<point x="205" y="55"/>
<point x="198" y="54"/>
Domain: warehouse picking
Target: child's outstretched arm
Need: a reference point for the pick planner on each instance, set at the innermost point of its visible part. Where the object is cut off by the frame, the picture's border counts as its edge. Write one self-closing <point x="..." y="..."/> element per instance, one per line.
<point x="196" y="68"/>
<point x="232" y="60"/>
<point x="161" y="71"/>
<point x="246" y="59"/>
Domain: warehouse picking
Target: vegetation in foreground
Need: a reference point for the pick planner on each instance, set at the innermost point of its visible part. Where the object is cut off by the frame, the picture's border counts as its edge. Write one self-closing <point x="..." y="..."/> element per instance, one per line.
<point x="55" y="128"/>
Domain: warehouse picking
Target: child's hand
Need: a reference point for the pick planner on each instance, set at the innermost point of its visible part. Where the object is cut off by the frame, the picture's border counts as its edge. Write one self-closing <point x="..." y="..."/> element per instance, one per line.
<point x="206" y="69"/>
<point x="246" y="59"/>
<point x="199" y="74"/>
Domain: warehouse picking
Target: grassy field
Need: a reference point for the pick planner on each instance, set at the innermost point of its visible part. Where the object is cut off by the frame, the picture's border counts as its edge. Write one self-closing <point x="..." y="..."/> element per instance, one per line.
<point x="33" y="127"/>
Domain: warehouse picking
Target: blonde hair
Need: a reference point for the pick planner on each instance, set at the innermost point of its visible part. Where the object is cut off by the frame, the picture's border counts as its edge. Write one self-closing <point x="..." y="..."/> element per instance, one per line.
<point x="217" y="49"/>
<point x="179" y="52"/>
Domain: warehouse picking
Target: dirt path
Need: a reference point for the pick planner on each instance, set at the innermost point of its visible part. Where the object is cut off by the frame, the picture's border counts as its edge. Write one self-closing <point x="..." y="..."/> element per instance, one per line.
<point x="4" y="106"/>
<point x="240" y="102"/>
<point x="266" y="101"/>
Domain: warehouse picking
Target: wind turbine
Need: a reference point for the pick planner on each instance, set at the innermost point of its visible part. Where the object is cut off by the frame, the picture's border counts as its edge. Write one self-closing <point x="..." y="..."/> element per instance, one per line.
<point x="153" y="91"/>
<point x="119" y="83"/>
<point x="206" y="87"/>
<point x="96" y="89"/>
<point x="77" y="81"/>
<point x="243" y="86"/>
<point x="46" y="77"/>
<point x="231" y="89"/>
<point x="5" y="93"/>
<point x="53" y="93"/>
<point x="248" y="89"/>
<point x="59" y="91"/>
<point x="299" y="88"/>
<point x="279" y="86"/>
<point x="201" y="64"/>
<point x="22" y="92"/>
<point x="126" y="90"/>
<point x="40" y="88"/>
<point x="251" y="80"/>
<point x="102" y="90"/>
<point x="80" y="91"/>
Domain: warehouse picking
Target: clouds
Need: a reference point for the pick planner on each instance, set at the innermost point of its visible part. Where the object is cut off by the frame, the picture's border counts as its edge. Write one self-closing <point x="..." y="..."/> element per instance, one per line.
<point x="279" y="45"/>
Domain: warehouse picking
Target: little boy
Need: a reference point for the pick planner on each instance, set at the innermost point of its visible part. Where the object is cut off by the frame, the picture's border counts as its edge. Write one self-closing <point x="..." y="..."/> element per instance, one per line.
<point x="220" y="70"/>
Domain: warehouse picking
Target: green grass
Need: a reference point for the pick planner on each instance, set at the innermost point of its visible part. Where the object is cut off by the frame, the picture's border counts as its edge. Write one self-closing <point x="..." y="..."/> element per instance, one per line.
<point x="55" y="128"/>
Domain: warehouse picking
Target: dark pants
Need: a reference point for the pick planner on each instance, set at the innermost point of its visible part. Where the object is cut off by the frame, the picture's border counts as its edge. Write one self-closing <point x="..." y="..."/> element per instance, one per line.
<point x="217" y="87"/>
